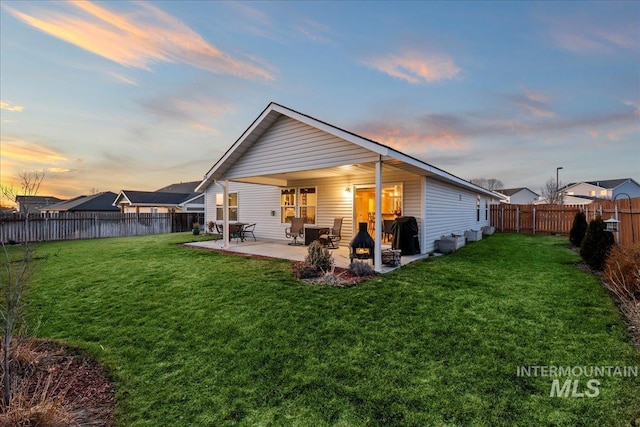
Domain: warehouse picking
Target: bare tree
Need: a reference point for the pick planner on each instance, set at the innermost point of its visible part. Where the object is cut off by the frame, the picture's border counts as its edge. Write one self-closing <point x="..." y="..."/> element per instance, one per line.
<point x="488" y="183"/>
<point x="15" y="276"/>
<point x="551" y="192"/>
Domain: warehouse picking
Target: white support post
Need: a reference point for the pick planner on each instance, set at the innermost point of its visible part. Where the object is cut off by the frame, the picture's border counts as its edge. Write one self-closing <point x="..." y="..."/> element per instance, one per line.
<point x="423" y="214"/>
<point x="225" y="213"/>
<point x="377" y="259"/>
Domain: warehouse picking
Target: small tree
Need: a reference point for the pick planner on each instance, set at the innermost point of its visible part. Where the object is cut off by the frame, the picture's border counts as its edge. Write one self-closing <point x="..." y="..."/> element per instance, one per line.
<point x="15" y="276"/>
<point x="551" y="193"/>
<point x="597" y="244"/>
<point x="578" y="229"/>
<point x="488" y="183"/>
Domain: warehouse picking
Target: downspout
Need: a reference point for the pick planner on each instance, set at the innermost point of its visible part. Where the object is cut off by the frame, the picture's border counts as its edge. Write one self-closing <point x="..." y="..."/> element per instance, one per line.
<point x="377" y="258"/>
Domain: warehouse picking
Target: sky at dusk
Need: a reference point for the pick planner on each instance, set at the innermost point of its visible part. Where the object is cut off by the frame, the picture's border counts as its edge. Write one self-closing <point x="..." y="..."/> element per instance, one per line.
<point x="105" y="96"/>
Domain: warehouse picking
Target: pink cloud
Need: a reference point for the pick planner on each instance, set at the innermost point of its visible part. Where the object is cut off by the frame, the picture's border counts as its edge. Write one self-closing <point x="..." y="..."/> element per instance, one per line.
<point x="138" y="39"/>
<point x="415" y="67"/>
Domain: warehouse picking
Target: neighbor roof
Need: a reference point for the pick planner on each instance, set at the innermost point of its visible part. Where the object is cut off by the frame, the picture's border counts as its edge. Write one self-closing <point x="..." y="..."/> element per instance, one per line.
<point x="274" y="111"/>
<point x="605" y="183"/>
<point x="34" y="200"/>
<point x="512" y="191"/>
<point x="100" y="202"/>
<point x="155" y="198"/>
<point x="181" y="187"/>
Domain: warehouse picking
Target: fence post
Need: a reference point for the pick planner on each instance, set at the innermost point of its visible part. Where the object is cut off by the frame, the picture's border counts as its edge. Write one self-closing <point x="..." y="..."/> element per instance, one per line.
<point x="534" y="220"/>
<point x="502" y="218"/>
<point x="517" y="218"/>
<point x="615" y="207"/>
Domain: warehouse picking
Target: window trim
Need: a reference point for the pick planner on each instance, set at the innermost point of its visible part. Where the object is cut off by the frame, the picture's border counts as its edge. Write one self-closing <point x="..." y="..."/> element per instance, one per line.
<point x="229" y="206"/>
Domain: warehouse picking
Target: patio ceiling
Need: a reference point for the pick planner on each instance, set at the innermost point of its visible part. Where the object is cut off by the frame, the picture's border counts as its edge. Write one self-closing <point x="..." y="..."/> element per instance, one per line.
<point x="352" y="171"/>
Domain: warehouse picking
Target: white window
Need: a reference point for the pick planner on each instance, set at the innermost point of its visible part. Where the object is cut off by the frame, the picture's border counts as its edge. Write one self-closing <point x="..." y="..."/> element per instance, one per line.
<point x="300" y="202"/>
<point x="308" y="201"/>
<point x="233" y="206"/>
<point x="287" y="204"/>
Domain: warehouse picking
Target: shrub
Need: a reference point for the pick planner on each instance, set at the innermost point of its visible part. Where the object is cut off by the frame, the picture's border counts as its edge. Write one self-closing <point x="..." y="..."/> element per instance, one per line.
<point x="622" y="278"/>
<point x="596" y="244"/>
<point x="578" y="229"/>
<point x="302" y="270"/>
<point x="318" y="256"/>
<point x="622" y="271"/>
<point x="360" y="268"/>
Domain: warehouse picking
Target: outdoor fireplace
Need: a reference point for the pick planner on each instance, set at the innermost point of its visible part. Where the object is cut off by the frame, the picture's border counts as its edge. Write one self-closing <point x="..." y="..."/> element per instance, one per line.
<point x="362" y="245"/>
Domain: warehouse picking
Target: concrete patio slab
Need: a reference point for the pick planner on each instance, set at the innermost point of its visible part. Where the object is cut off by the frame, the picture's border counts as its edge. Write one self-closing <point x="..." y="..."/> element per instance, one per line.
<point x="280" y="249"/>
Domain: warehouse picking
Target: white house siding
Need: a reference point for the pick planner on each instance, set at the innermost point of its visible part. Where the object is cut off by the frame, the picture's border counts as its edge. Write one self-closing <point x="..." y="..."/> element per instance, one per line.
<point x="255" y="203"/>
<point x="585" y="189"/>
<point x="148" y="209"/>
<point x="523" y="197"/>
<point x="289" y="145"/>
<point x="451" y="209"/>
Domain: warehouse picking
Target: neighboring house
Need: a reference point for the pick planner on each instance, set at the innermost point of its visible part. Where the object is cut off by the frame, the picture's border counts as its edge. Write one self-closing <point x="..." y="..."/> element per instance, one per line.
<point x="571" y="200"/>
<point x="174" y="198"/>
<point x="34" y="204"/>
<point x="101" y="202"/>
<point x="519" y="196"/>
<point x="289" y="164"/>
<point x="605" y="189"/>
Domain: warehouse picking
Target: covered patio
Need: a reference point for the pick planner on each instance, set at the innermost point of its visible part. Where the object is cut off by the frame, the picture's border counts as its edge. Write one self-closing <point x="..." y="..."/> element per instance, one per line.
<point x="278" y="249"/>
<point x="288" y="165"/>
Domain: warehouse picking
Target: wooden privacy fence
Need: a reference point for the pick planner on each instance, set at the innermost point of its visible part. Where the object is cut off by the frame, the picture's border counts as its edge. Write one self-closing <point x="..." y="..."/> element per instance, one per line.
<point x="74" y="226"/>
<point x="558" y="219"/>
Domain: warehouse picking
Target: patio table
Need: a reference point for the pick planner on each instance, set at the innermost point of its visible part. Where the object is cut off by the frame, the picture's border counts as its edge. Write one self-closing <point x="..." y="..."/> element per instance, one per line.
<point x="235" y="230"/>
<point x="312" y="233"/>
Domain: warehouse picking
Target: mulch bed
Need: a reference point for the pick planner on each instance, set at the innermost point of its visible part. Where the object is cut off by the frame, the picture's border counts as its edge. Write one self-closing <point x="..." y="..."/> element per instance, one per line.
<point x="55" y="384"/>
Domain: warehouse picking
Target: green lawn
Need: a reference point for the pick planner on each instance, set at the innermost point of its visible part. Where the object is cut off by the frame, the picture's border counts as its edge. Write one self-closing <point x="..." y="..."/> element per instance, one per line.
<point x="197" y="338"/>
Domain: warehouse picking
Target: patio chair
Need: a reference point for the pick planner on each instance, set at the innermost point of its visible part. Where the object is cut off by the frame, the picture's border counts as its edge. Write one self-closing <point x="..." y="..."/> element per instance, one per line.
<point x="387" y="233"/>
<point x="295" y="230"/>
<point x="334" y="235"/>
<point x="248" y="229"/>
<point x="235" y="232"/>
<point x="218" y="228"/>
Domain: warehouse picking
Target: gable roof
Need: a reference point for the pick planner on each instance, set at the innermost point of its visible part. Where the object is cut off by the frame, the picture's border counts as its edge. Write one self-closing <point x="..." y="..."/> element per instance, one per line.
<point x="512" y="191"/>
<point x="100" y="202"/>
<point x="389" y="155"/>
<point x="181" y="187"/>
<point x="154" y="198"/>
